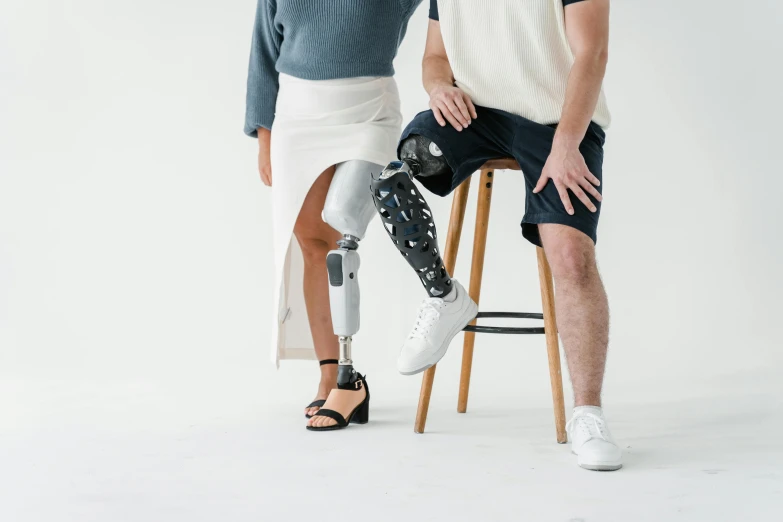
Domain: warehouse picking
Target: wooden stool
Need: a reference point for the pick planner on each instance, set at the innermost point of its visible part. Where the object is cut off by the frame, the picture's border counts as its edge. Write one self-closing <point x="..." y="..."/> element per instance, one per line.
<point x="476" y="272"/>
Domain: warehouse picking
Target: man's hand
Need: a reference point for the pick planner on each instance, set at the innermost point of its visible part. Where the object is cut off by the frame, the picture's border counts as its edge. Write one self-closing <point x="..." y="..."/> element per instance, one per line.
<point x="448" y="103"/>
<point x="264" y="161"/>
<point x="451" y="103"/>
<point x="587" y="30"/>
<point x="567" y="169"/>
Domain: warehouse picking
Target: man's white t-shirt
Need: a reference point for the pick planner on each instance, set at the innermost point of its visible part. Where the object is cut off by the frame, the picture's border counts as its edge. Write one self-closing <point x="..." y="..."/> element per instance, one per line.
<point x="511" y="55"/>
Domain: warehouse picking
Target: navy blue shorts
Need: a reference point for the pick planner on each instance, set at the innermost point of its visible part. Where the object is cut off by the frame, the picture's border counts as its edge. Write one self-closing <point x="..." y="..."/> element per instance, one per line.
<point x="498" y="134"/>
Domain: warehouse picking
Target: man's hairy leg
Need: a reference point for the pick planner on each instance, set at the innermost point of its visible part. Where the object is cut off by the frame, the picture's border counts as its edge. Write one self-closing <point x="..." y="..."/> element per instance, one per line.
<point x="582" y="309"/>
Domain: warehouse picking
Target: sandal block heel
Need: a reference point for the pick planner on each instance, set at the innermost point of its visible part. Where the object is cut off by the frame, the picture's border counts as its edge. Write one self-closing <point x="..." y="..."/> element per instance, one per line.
<point x="362" y="415"/>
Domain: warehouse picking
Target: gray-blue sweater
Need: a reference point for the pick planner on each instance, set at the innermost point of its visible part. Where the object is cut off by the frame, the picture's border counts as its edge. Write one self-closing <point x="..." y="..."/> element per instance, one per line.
<point x="320" y="40"/>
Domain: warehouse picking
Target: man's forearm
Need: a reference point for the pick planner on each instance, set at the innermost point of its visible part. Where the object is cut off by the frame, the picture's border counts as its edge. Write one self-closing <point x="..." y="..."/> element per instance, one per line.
<point x="436" y="71"/>
<point x="584" y="88"/>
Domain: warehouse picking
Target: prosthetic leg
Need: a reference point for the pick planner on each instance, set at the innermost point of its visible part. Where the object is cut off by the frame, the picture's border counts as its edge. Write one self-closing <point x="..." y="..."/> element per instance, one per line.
<point x="407" y="216"/>
<point x="410" y="224"/>
<point x="348" y="210"/>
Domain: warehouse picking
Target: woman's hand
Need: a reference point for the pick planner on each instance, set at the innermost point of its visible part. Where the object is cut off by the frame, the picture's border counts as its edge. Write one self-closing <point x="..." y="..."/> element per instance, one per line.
<point x="264" y="161"/>
<point x="451" y="103"/>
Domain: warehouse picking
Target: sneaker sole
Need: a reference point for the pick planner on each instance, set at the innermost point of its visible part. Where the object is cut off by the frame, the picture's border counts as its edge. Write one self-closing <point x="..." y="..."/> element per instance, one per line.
<point x="466" y="318"/>
<point x="599" y="466"/>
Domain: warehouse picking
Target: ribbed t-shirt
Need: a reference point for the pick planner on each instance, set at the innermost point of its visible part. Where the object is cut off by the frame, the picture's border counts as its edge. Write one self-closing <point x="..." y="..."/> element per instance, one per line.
<point x="511" y="55"/>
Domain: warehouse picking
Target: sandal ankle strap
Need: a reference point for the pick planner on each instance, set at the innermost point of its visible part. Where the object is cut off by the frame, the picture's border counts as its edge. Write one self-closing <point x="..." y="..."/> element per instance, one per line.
<point x="328" y="361"/>
<point x="355" y="385"/>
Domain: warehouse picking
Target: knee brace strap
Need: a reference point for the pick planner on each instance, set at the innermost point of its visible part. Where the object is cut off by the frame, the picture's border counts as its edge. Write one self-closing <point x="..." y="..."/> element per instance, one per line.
<point x="408" y="221"/>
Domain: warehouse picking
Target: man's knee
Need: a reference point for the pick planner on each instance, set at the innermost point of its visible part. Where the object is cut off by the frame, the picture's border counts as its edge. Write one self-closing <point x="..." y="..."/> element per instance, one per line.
<point x="571" y="253"/>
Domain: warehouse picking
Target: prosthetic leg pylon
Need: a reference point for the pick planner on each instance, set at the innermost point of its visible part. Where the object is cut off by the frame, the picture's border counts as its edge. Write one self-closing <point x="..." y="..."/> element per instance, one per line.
<point x="349" y="211"/>
<point x="343" y="267"/>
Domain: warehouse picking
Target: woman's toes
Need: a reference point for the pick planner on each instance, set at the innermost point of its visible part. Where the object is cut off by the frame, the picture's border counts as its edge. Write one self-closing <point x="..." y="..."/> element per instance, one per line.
<point x="321" y="422"/>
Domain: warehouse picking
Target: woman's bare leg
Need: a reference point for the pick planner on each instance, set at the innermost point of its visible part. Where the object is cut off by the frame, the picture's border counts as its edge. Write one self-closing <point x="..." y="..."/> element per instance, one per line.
<point x="316" y="239"/>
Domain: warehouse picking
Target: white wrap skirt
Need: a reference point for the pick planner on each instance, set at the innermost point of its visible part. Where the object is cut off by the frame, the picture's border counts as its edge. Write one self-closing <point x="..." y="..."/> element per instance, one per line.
<point x="318" y="123"/>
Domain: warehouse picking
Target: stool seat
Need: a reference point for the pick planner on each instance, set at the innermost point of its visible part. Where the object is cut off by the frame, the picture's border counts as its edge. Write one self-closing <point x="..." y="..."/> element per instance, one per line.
<point x="501" y="164"/>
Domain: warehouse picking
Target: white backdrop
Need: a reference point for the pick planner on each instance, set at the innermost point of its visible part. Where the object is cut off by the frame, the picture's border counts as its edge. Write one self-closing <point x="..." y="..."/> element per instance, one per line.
<point x="134" y="231"/>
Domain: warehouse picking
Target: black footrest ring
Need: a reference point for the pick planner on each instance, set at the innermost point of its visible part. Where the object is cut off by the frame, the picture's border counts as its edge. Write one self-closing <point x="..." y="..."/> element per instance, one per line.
<point x="506" y="329"/>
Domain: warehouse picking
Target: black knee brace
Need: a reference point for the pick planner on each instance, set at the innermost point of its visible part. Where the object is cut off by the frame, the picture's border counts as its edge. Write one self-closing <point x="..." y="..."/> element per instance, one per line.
<point x="409" y="223"/>
<point x="423" y="156"/>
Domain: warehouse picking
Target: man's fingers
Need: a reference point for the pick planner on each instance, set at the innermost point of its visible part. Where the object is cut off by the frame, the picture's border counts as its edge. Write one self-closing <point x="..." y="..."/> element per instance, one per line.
<point x="463" y="109"/>
<point x="457" y="113"/>
<point x="454" y="106"/>
<point x="589" y="175"/>
<point x="450" y="117"/>
<point x="438" y="116"/>
<point x="541" y="183"/>
<point x="471" y="107"/>
<point x="579" y="193"/>
<point x="563" y="191"/>
<point x="590" y="189"/>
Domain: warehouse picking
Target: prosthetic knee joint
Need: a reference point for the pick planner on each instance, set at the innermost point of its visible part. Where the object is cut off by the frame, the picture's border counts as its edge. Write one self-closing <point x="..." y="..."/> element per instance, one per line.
<point x="348" y="210"/>
<point x="407" y="216"/>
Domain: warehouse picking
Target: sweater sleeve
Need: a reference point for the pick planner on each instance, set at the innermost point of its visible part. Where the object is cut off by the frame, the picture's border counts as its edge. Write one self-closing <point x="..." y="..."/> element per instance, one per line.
<point x="262" y="77"/>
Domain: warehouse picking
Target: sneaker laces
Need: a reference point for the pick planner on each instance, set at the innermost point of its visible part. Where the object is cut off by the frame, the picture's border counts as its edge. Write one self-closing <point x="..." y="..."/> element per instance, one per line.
<point x="594" y="429"/>
<point x="427" y="316"/>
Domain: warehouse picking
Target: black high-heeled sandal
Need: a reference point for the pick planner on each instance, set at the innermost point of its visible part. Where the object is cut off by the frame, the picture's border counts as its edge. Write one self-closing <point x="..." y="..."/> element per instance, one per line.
<point x="359" y="415"/>
<point x="320" y="402"/>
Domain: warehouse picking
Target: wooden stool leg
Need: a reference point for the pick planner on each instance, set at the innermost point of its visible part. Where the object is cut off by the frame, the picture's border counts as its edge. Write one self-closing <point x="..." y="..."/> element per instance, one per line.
<point x="450" y="262"/>
<point x="476" y="273"/>
<point x="552" y="343"/>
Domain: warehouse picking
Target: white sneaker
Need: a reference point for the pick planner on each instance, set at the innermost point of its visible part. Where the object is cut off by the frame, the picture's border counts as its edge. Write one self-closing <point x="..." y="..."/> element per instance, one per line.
<point x="437" y="323"/>
<point x="591" y="441"/>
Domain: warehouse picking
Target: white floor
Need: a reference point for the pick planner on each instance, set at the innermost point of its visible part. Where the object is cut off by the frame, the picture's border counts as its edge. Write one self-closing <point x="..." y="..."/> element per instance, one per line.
<point x="123" y="451"/>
